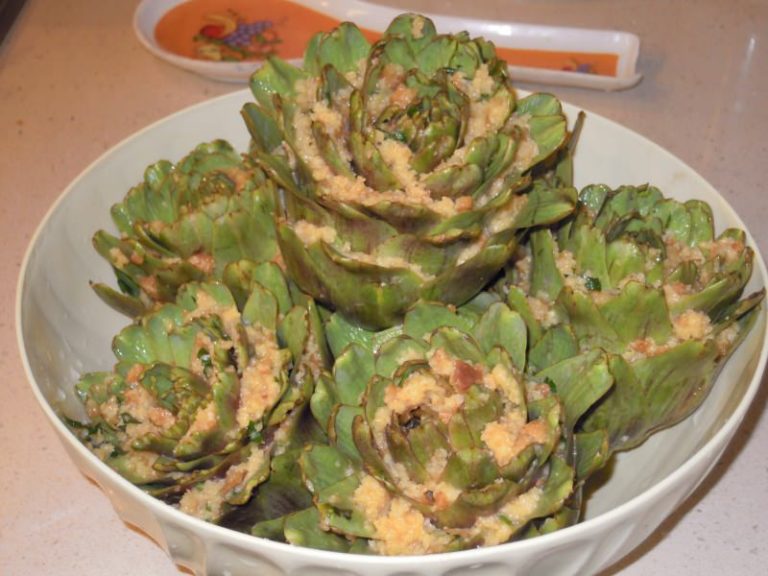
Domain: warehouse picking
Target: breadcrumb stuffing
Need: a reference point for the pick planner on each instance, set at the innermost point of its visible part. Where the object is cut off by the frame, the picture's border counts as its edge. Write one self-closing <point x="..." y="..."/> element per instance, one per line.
<point x="310" y="233"/>
<point x="692" y="325"/>
<point x="543" y="311"/>
<point x="399" y="529"/>
<point x="259" y="386"/>
<point x="118" y="258"/>
<point x="422" y="388"/>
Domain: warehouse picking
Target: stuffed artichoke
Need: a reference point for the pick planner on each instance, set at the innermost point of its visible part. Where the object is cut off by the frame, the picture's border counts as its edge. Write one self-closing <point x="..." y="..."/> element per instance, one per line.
<point x="445" y="443"/>
<point x="406" y="166"/>
<point x="645" y="279"/>
<point x="206" y="390"/>
<point x="185" y="222"/>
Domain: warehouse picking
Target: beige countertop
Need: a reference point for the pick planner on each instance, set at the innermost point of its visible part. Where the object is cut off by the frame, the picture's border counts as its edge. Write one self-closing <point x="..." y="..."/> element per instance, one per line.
<point x="74" y="82"/>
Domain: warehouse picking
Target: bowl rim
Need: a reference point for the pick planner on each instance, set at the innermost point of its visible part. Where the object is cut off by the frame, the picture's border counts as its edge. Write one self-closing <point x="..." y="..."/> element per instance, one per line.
<point x="712" y="449"/>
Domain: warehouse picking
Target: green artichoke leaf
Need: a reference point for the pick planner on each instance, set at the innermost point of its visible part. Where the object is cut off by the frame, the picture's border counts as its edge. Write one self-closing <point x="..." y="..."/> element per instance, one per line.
<point x="125" y="304"/>
<point x="242" y="275"/>
<point x="303" y="529"/>
<point x="627" y="202"/>
<point x="157" y="183"/>
<point x="243" y="492"/>
<point x="590" y="327"/>
<point x="518" y="301"/>
<point x="638" y="312"/>
<point x="273" y="529"/>
<point x="342" y="49"/>
<point x="324" y="466"/>
<point x="261" y="308"/>
<point x="458" y="284"/>
<point x="372" y="461"/>
<point x="351" y="372"/>
<point x="580" y="382"/>
<point x="588" y="246"/>
<point x="691" y="222"/>
<point x="374" y="295"/>
<point x="623" y="258"/>
<point x="556" y="489"/>
<point x="458" y="344"/>
<point x="653" y="393"/>
<point x="281" y="494"/>
<point x="399" y="351"/>
<point x="500" y="326"/>
<point x="563" y="172"/>
<point x="369" y="163"/>
<point x="545" y="206"/>
<point x="429" y="259"/>
<point x="593" y="197"/>
<point x="132" y="466"/>
<point x="546" y="278"/>
<point x="340" y="333"/>
<point x="339" y="514"/>
<point x="157" y="337"/>
<point x="454" y="181"/>
<point x="717" y="295"/>
<point x="592" y="453"/>
<point x="568" y="515"/>
<point x="425" y="317"/>
<point x="546" y="124"/>
<point x="294" y="330"/>
<point x="330" y="152"/>
<point x="558" y="343"/>
<point x="265" y="131"/>
<point x="274" y="77"/>
<point x="415" y="28"/>
<point x="341" y="429"/>
<point x="324" y="400"/>
<point x="141" y="273"/>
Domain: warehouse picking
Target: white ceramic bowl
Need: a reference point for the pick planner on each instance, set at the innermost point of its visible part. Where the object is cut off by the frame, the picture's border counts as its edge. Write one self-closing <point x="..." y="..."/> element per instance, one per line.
<point x="64" y="330"/>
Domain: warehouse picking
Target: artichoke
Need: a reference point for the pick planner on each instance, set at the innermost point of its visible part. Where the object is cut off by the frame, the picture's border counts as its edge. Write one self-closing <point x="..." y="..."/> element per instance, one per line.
<point x="644" y="279"/>
<point x="207" y="389"/>
<point x="437" y="439"/>
<point x="184" y="223"/>
<point x="405" y="167"/>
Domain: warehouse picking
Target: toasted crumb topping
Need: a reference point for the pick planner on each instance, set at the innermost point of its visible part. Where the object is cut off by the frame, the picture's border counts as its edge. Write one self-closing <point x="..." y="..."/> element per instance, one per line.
<point x="543" y="311"/>
<point x="692" y="325"/>
<point x="259" y="386"/>
<point x="310" y="233"/>
<point x="421" y="388"/>
<point x="399" y="529"/>
<point x="508" y="437"/>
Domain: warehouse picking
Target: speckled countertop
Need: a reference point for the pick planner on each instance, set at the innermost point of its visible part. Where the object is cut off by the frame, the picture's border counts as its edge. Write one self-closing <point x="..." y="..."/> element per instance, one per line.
<point x="74" y="82"/>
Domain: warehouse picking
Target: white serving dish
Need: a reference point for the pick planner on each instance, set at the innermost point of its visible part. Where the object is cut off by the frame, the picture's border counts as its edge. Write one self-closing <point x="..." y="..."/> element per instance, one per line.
<point x="376" y="17"/>
<point x="64" y="330"/>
